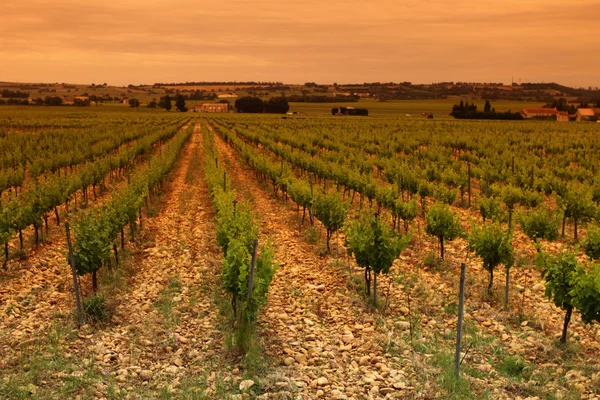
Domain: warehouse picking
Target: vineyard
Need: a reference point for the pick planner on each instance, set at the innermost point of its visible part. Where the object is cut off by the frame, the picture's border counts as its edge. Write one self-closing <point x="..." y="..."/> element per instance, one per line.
<point x="164" y="255"/>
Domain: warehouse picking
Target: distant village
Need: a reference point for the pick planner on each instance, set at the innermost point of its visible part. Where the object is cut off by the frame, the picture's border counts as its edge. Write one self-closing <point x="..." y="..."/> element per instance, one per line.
<point x="581" y="115"/>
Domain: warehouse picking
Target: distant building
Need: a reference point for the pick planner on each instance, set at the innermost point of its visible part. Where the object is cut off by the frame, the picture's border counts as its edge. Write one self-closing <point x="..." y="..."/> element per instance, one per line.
<point x="562" y="116"/>
<point x="212" y="108"/>
<point x="586" y="114"/>
<point x="540" y="113"/>
<point x="228" y="96"/>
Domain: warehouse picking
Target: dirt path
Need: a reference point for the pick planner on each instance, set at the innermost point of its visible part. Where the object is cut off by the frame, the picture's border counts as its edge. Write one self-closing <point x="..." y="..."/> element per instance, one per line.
<point x="316" y="328"/>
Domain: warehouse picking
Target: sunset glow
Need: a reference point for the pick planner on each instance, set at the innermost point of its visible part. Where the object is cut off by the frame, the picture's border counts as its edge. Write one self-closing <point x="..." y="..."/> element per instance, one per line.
<point x="150" y="41"/>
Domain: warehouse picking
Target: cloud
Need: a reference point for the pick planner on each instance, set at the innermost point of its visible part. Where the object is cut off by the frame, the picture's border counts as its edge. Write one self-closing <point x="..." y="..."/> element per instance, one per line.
<point x="138" y="41"/>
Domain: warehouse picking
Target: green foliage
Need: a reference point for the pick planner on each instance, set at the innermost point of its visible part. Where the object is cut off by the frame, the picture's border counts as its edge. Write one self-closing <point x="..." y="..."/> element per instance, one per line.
<point x="577" y="204"/>
<point x="490" y="208"/>
<point x="511" y="196"/>
<point x="374" y="245"/>
<point x="94" y="308"/>
<point x="93" y="244"/>
<point x="591" y="244"/>
<point x="493" y="245"/>
<point x="559" y="273"/>
<point x="540" y="224"/>
<point x="406" y="210"/>
<point x="512" y="366"/>
<point x="331" y="211"/>
<point x="445" y="195"/>
<point x="587" y="293"/>
<point x="443" y="224"/>
<point x="180" y="103"/>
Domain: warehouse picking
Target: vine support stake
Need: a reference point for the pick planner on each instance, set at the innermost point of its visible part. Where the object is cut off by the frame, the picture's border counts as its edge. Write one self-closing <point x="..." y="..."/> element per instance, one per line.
<point x="74" y="273"/>
<point x="461" y="304"/>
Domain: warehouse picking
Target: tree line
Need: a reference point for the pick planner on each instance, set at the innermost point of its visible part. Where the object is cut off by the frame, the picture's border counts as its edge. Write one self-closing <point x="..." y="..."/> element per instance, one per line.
<point x="469" y="111"/>
<point x="254" y="105"/>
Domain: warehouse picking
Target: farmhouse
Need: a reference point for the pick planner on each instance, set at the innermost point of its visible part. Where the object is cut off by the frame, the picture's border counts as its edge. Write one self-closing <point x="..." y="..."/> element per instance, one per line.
<point x="562" y="116"/>
<point x="540" y="113"/>
<point x="212" y="108"/>
<point x="585" y="114"/>
<point x="228" y="96"/>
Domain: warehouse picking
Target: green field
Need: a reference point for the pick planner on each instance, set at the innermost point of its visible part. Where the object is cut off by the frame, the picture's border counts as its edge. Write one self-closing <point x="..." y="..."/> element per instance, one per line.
<point x="399" y="108"/>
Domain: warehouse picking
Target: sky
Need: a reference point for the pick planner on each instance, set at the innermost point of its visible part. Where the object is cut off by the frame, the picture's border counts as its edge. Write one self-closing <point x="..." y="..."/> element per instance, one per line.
<point x="353" y="41"/>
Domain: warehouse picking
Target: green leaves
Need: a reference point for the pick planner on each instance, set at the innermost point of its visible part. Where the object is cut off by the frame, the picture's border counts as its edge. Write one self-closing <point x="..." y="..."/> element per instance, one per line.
<point x="591" y="244"/>
<point x="540" y="224"/>
<point x="374" y="245"/>
<point x="493" y="245"/>
<point x="490" y="208"/>
<point x="331" y="211"/>
<point x="442" y="223"/>
<point x="586" y="292"/>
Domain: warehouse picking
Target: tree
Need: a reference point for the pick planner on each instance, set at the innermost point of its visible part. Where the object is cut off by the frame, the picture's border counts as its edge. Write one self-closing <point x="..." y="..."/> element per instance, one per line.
<point x="488" y="107"/>
<point x="165" y="102"/>
<point x="493" y="246"/>
<point x="134" y="103"/>
<point x="560" y="274"/>
<point x="152" y="104"/>
<point x="375" y="247"/>
<point x="180" y="103"/>
<point x="249" y="104"/>
<point x="331" y="211"/>
<point x="277" y="105"/>
<point x="443" y="224"/>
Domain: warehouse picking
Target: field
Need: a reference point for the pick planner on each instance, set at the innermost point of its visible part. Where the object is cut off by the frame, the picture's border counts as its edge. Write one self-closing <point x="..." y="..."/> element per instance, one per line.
<point x="213" y="260"/>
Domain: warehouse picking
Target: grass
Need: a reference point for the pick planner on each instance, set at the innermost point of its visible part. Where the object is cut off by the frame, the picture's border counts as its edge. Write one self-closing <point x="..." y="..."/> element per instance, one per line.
<point x="47" y="372"/>
<point x="512" y="367"/>
<point x="165" y="302"/>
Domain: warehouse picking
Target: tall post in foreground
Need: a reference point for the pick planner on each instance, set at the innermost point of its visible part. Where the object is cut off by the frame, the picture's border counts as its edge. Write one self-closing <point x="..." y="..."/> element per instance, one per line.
<point x="75" y="284"/>
<point x="461" y="304"/>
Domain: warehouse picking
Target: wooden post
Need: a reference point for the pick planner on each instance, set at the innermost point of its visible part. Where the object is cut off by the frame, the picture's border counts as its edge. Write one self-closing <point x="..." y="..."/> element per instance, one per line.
<point x="216" y="162"/>
<point x="234" y="207"/>
<point x="74" y="273"/>
<point x="461" y="304"/>
<point x="252" y="266"/>
<point x="532" y="181"/>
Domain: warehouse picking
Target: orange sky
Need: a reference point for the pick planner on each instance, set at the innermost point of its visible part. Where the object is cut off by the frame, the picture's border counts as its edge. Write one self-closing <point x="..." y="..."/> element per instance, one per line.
<point x="147" y="41"/>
